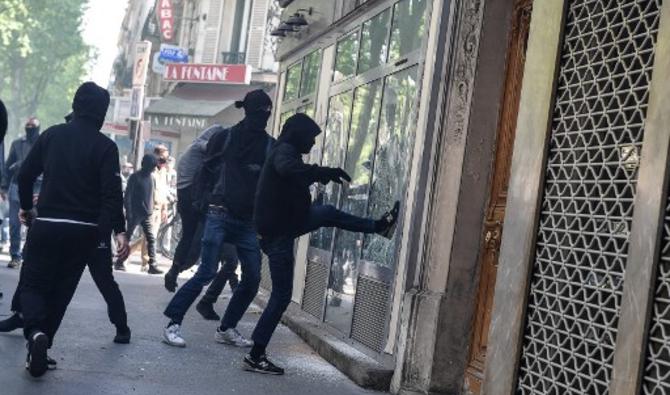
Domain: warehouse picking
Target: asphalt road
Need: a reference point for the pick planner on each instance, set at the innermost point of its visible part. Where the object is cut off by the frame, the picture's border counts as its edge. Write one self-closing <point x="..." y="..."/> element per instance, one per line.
<point x="90" y="363"/>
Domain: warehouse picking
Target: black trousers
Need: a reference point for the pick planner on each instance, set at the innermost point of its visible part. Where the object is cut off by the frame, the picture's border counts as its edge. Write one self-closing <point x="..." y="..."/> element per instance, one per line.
<point x="187" y="252"/>
<point x="100" y="267"/>
<point x="149" y="234"/>
<point x="56" y="254"/>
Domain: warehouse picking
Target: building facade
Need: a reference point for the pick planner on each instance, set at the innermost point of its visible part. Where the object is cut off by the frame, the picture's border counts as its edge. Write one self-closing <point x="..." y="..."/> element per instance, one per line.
<point x="201" y="33"/>
<point x="526" y="142"/>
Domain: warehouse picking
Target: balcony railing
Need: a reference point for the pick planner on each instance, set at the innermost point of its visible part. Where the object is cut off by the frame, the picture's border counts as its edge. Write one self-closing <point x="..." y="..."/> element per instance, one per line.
<point x="233" y="57"/>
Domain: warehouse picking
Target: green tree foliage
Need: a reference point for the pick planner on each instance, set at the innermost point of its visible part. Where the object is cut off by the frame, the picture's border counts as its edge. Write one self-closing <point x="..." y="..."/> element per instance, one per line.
<point x="43" y="58"/>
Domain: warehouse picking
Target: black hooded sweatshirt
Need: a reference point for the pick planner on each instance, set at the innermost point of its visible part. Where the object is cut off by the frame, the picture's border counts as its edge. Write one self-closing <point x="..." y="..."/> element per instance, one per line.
<point x="283" y="199"/>
<point x="80" y="167"/>
<point x="139" y="199"/>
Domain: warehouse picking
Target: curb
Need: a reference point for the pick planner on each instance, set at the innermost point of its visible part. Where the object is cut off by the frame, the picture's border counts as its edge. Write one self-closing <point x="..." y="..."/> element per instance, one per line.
<point x="363" y="370"/>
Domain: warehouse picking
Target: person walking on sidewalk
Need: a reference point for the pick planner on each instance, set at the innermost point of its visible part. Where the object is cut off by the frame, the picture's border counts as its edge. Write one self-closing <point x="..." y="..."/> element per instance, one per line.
<point x="228" y="181"/>
<point x="100" y="267"/>
<point x="17" y="154"/>
<point x="139" y="203"/>
<point x="80" y="200"/>
<point x="284" y="211"/>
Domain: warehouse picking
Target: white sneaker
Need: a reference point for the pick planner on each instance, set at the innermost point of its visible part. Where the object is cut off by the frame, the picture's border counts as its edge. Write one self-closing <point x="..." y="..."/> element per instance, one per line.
<point x="172" y="336"/>
<point x="232" y="337"/>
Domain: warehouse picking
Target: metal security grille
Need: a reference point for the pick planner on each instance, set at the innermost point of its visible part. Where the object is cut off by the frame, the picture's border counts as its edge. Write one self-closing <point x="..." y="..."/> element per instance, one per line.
<point x="314" y="295"/>
<point x="590" y="180"/>
<point x="370" y="312"/>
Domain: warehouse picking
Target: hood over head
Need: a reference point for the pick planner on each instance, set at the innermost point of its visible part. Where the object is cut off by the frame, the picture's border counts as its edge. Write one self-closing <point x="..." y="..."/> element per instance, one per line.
<point x="149" y="163"/>
<point x="257" y="109"/>
<point x="91" y="103"/>
<point x="300" y="131"/>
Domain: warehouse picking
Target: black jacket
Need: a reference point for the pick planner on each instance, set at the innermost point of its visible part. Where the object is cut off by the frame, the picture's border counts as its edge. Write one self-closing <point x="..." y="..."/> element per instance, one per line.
<point x="283" y="198"/>
<point x="18" y="152"/>
<point x="80" y="167"/>
<point x="232" y="167"/>
<point x="139" y="198"/>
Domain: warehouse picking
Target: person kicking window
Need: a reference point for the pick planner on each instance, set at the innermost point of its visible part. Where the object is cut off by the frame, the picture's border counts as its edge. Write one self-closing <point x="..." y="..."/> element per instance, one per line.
<point x="284" y="211"/>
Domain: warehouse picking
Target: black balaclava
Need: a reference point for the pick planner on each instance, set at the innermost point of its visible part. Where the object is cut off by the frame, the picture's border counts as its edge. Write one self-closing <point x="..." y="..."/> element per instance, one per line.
<point x="3" y="121"/>
<point x="148" y="163"/>
<point x="300" y="131"/>
<point x="32" y="129"/>
<point x="257" y="109"/>
<point x="91" y="103"/>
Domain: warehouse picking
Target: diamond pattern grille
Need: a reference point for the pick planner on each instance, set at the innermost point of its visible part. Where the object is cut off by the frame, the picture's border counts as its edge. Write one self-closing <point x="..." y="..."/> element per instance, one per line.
<point x="590" y="180"/>
<point x="657" y="364"/>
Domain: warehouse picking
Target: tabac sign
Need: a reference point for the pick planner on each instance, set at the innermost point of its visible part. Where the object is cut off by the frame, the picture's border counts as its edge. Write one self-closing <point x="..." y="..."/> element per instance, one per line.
<point x="165" y="13"/>
<point x="239" y="74"/>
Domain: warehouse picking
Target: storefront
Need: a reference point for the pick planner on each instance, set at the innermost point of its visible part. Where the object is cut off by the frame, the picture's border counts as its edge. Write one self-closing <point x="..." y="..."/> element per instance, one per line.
<point x="361" y="81"/>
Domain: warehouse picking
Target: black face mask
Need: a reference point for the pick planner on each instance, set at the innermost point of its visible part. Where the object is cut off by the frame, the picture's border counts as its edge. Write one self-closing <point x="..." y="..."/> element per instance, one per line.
<point x="257" y="120"/>
<point x="305" y="144"/>
<point x="32" y="133"/>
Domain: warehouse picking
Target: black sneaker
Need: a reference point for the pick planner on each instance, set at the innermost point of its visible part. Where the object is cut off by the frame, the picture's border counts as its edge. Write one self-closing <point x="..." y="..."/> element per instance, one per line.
<point x="207" y="312"/>
<point x="154" y="270"/>
<point x="52" y="364"/>
<point x="389" y="221"/>
<point x="171" y="281"/>
<point x="37" y="361"/>
<point x="261" y="365"/>
<point x="122" y="336"/>
<point x="119" y="266"/>
<point x="12" y="323"/>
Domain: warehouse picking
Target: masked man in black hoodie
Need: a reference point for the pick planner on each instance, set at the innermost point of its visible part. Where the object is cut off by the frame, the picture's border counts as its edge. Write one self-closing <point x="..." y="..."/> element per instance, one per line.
<point x="100" y="267"/>
<point x="139" y="204"/>
<point x="284" y="211"/>
<point x="80" y="201"/>
<point x="17" y="154"/>
<point x="226" y="189"/>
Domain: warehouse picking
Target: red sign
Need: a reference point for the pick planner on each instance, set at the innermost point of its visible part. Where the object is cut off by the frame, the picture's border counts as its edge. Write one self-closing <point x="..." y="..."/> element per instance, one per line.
<point x="165" y="14"/>
<point x="209" y="73"/>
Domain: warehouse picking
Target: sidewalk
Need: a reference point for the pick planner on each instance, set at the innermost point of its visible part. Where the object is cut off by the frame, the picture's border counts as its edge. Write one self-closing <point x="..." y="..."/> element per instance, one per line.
<point x="89" y="363"/>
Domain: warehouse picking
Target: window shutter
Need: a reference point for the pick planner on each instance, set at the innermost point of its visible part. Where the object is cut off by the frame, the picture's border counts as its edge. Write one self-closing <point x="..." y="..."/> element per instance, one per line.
<point x="210" y="49"/>
<point x="256" y="41"/>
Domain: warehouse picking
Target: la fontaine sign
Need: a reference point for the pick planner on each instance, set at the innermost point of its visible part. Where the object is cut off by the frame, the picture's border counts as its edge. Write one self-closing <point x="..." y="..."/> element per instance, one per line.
<point x="178" y="122"/>
<point x="236" y="74"/>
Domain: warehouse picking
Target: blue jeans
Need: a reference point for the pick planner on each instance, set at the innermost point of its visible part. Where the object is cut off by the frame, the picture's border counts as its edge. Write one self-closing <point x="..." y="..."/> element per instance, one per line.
<point x="14" y="223"/>
<point x="281" y="261"/>
<point x="221" y="227"/>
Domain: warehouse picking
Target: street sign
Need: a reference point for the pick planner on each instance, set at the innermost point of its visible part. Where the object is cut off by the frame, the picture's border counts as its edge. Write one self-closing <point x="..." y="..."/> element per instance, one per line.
<point x="235" y="74"/>
<point x="136" y="103"/>
<point x="157" y="65"/>
<point x="141" y="65"/>
<point x="173" y="54"/>
<point x="165" y="13"/>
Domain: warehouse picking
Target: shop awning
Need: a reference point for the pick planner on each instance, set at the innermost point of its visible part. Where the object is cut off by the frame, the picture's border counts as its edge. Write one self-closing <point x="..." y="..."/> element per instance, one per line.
<point x="200" y="100"/>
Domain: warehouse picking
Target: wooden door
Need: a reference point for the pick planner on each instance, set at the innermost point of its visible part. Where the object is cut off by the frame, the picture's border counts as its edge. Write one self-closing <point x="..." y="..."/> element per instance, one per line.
<point x="495" y="212"/>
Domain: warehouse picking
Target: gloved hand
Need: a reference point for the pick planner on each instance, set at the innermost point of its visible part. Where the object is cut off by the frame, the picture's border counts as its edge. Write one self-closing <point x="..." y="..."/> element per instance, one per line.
<point x="334" y="174"/>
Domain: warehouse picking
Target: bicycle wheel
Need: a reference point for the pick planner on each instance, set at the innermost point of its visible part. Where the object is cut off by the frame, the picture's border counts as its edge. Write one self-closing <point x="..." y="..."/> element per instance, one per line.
<point x="168" y="237"/>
